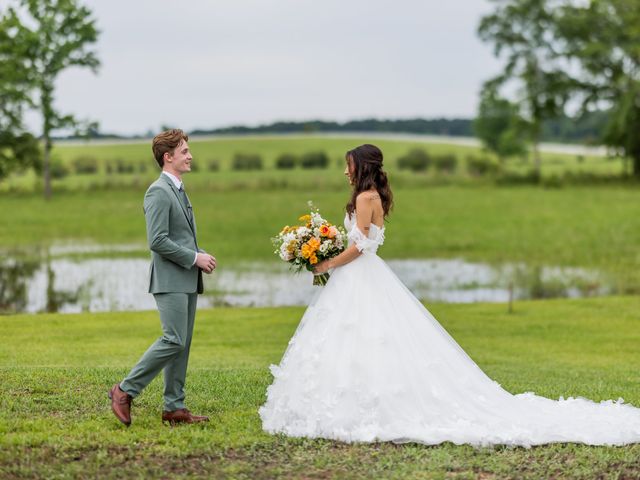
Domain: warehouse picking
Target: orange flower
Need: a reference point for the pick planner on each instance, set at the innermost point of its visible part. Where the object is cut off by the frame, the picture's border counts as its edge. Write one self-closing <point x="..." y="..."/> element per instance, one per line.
<point x="314" y="243"/>
<point x="324" y="230"/>
<point x="313" y="259"/>
<point x="333" y="231"/>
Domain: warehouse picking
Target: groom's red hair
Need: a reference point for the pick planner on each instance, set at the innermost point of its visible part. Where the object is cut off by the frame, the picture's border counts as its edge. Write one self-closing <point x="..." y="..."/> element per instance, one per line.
<point x="166" y="142"/>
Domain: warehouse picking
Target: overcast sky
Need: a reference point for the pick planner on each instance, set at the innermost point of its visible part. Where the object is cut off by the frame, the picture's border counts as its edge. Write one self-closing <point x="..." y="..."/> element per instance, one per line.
<point x="209" y="63"/>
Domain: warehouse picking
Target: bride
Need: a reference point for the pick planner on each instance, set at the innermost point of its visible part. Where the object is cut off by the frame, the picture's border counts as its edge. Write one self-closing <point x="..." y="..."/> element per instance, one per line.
<point x="368" y="362"/>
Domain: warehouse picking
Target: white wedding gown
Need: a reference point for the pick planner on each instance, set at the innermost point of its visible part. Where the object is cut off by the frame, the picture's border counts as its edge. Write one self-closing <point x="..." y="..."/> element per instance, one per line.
<point x="368" y="362"/>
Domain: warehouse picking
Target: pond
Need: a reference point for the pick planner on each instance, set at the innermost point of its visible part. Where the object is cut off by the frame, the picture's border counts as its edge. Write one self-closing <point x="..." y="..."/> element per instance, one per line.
<point x="94" y="278"/>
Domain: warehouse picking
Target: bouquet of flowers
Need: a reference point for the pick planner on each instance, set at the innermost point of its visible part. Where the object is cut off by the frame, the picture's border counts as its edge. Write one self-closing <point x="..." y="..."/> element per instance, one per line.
<point x="314" y="240"/>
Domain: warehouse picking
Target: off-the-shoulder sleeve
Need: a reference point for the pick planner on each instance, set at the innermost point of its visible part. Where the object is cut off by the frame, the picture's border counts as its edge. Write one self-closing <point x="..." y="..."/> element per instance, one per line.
<point x="362" y="242"/>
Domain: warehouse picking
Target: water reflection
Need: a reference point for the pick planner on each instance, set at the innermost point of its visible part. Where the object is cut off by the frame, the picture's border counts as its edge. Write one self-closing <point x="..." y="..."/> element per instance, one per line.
<point x="14" y="275"/>
<point x="70" y="284"/>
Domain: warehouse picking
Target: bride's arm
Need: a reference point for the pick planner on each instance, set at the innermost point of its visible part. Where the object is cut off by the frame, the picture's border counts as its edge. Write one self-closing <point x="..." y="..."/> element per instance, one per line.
<point x="364" y="212"/>
<point x="350" y="254"/>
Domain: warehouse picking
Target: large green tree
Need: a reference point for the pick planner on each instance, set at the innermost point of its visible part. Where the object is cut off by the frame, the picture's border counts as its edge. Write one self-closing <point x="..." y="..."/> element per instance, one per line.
<point x="47" y="37"/>
<point x="18" y="148"/>
<point x="603" y="36"/>
<point x="499" y="125"/>
<point x="523" y="31"/>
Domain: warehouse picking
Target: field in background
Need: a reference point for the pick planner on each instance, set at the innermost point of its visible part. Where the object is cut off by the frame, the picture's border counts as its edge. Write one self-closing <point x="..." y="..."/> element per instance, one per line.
<point x="131" y="164"/>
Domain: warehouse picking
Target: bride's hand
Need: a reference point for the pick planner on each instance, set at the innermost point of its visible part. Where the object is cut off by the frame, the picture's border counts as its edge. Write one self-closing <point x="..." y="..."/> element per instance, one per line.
<point x="321" y="267"/>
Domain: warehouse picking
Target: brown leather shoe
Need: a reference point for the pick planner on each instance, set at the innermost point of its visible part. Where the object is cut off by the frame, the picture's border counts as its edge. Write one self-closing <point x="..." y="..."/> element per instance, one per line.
<point x="182" y="416"/>
<point x="121" y="404"/>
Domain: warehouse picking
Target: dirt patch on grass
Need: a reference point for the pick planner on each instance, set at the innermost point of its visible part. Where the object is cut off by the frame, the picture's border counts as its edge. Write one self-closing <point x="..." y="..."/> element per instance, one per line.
<point x="317" y="460"/>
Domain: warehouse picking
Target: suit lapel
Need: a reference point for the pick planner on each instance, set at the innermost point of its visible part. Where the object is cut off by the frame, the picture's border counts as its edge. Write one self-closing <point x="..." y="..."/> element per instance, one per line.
<point x="177" y="195"/>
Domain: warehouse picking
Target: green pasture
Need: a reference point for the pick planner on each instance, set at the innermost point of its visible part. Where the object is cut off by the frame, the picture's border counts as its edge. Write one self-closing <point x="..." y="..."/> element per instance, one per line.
<point x="221" y="151"/>
<point x="579" y="226"/>
<point x="55" y="419"/>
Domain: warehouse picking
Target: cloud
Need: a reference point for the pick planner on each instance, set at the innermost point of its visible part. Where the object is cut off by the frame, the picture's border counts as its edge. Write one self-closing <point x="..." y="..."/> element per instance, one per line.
<point x="207" y="63"/>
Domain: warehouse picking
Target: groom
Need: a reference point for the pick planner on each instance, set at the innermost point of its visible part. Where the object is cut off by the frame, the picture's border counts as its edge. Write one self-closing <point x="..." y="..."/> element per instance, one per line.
<point x="176" y="279"/>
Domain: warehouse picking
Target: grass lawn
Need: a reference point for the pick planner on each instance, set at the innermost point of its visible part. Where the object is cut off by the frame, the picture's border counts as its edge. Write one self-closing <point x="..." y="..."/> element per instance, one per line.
<point x="55" y="420"/>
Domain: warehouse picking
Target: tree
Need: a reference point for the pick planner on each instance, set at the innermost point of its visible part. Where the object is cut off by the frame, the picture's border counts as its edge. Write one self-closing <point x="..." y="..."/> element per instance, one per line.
<point x="18" y="148"/>
<point x="499" y="125"/>
<point x="47" y="37"/>
<point x="604" y="37"/>
<point x="525" y="31"/>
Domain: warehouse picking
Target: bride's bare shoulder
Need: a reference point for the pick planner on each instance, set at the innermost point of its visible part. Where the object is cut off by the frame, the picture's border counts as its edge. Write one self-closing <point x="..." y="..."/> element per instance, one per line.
<point x="367" y="196"/>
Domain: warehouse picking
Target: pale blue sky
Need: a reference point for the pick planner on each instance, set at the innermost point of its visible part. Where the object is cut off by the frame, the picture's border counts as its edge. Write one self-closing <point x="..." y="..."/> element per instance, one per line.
<point x="205" y="63"/>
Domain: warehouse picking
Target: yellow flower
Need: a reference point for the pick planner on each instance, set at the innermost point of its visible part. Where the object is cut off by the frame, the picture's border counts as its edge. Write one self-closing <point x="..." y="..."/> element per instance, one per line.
<point x="313" y="259"/>
<point x="324" y="230"/>
<point x="305" y="218"/>
<point x="314" y="243"/>
<point x="309" y="249"/>
<point x="306" y="251"/>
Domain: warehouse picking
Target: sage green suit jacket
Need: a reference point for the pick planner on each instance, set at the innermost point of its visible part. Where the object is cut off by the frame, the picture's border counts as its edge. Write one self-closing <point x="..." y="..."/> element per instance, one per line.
<point x="172" y="240"/>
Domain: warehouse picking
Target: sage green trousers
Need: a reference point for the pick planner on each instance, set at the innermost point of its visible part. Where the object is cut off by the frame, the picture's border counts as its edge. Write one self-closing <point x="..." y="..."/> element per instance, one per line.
<point x="169" y="352"/>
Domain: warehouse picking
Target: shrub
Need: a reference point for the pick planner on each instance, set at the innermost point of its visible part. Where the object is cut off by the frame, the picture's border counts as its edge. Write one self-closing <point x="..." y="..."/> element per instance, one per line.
<point x="552" y="181"/>
<point x="85" y="164"/>
<point x="195" y="166"/>
<point x="57" y="168"/>
<point x="142" y="167"/>
<point x="247" y="161"/>
<point x="416" y="160"/>
<point x="314" y="160"/>
<point x="532" y="177"/>
<point x="479" y="166"/>
<point x="122" y="166"/>
<point x="286" y="161"/>
<point x="213" y="165"/>
<point x="446" y="163"/>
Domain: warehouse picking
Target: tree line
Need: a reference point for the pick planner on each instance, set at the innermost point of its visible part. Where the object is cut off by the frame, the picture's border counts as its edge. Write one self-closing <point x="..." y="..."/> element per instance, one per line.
<point x="584" y="129"/>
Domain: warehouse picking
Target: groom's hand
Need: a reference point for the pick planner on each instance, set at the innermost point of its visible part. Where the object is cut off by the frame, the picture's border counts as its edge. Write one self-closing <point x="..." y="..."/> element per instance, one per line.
<point x="206" y="262"/>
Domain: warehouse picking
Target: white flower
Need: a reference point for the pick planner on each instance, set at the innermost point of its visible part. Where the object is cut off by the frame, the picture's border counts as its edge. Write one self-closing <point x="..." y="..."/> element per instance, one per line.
<point x="302" y="232"/>
<point x="284" y="253"/>
<point x="289" y="237"/>
<point x="316" y="219"/>
<point x="325" y="246"/>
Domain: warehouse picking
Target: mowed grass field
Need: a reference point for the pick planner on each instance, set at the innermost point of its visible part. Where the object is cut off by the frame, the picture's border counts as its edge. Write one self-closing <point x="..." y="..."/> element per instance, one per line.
<point x="55" y="419"/>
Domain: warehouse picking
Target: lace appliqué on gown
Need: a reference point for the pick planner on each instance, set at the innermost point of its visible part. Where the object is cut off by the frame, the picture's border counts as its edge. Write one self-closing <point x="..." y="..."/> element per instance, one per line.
<point x="367" y="244"/>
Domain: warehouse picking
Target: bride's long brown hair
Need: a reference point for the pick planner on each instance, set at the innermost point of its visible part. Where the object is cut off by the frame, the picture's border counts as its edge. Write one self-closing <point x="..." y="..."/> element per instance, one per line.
<point x="368" y="174"/>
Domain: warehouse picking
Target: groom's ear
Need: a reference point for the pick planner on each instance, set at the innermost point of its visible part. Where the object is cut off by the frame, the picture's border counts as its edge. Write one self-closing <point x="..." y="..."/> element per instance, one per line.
<point x="166" y="156"/>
